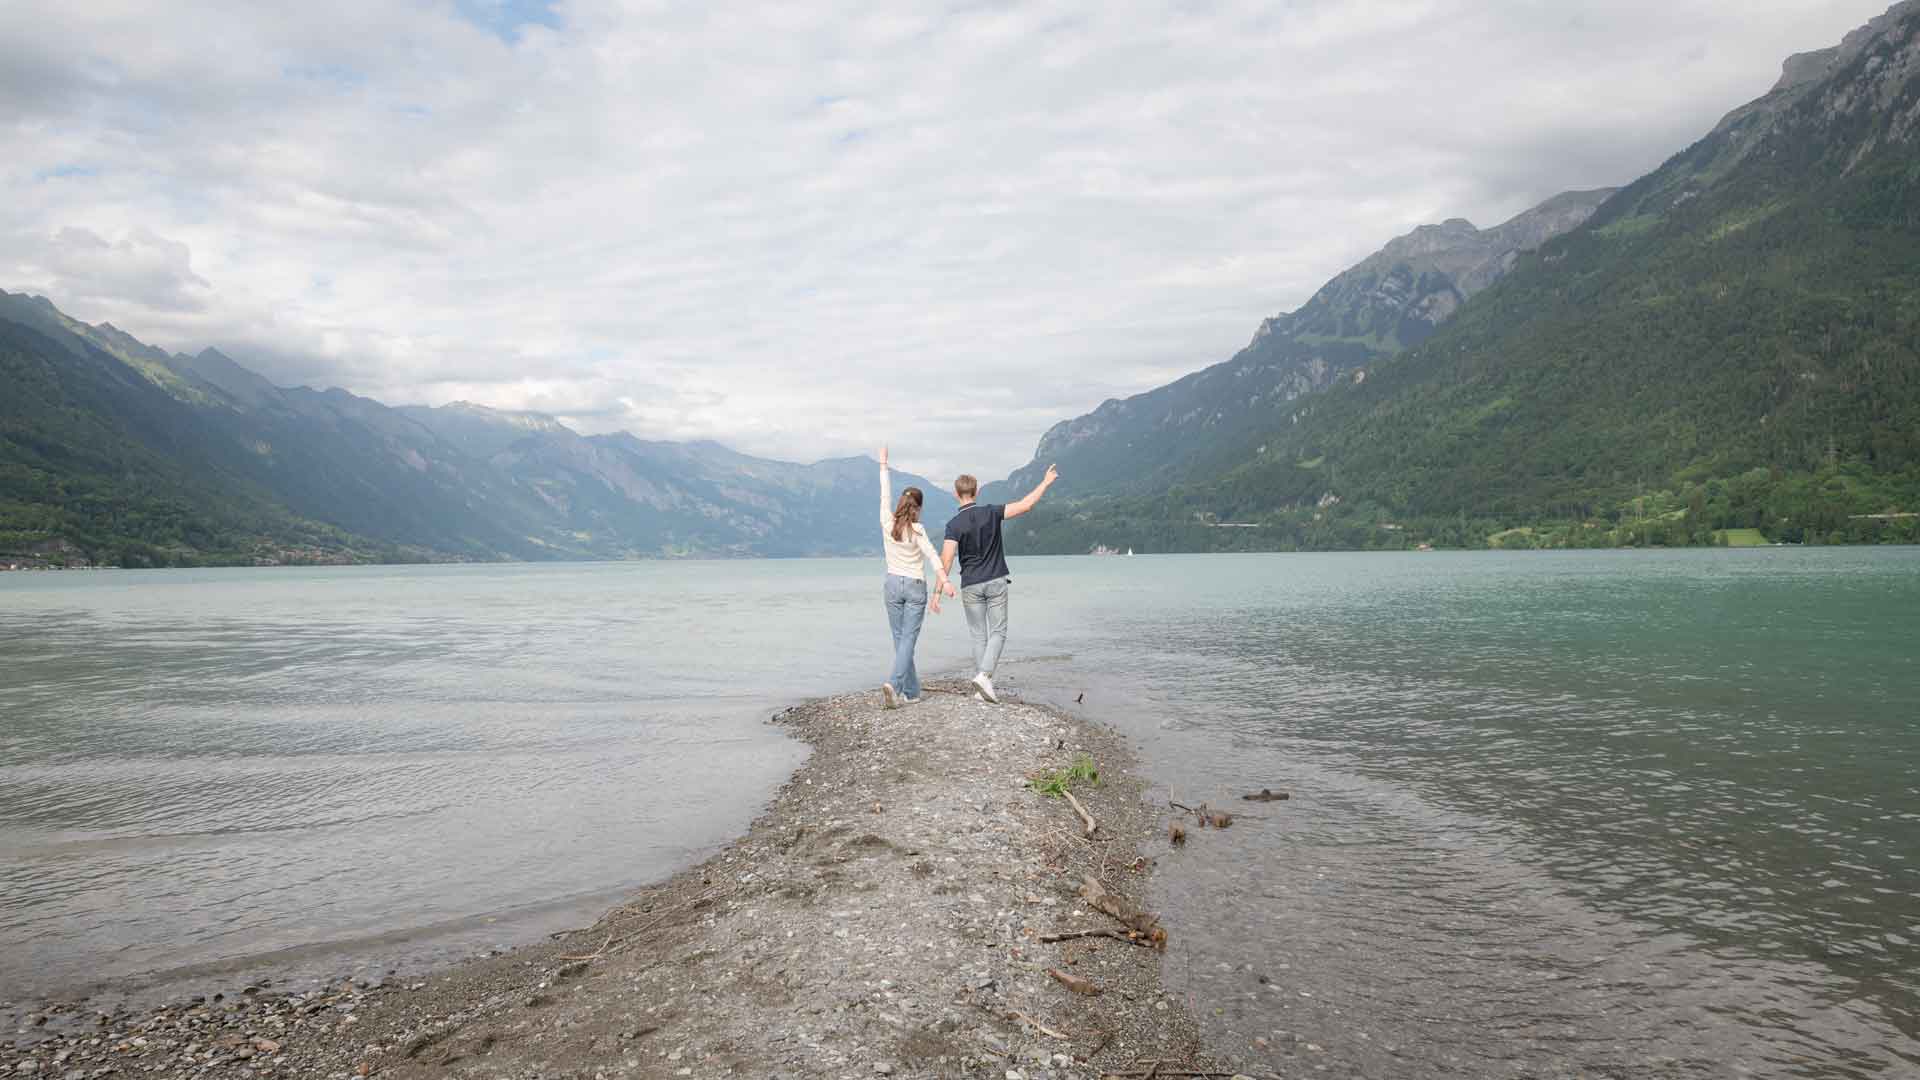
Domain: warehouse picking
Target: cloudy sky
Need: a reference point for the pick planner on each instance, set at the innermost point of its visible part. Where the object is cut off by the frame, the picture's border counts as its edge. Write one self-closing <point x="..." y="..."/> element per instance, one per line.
<point x="803" y="227"/>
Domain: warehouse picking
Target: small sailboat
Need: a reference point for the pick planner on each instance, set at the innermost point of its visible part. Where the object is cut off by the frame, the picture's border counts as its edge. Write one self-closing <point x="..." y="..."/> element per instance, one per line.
<point x="1129" y="553"/>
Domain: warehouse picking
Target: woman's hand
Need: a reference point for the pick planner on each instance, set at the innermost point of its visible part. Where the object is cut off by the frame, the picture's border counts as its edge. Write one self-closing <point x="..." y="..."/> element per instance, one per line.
<point x="933" y="601"/>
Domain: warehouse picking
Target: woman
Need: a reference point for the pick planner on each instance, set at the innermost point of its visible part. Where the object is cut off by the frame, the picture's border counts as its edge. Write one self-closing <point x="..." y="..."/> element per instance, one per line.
<point x="907" y="547"/>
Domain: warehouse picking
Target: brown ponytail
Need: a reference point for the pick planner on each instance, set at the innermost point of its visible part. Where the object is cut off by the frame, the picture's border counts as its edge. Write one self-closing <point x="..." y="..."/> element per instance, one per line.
<point x="906" y="513"/>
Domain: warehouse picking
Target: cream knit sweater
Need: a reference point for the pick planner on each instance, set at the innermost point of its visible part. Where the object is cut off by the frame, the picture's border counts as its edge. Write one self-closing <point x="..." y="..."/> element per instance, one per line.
<point x="903" y="556"/>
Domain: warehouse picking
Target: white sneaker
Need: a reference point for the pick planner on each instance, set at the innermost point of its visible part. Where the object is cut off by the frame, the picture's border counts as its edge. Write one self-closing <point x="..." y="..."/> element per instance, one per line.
<point x="979" y="697"/>
<point x="912" y="700"/>
<point x="985" y="685"/>
<point x="891" y="695"/>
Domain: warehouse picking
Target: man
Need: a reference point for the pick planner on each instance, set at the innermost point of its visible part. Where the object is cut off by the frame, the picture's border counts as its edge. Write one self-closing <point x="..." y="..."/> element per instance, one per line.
<point x="973" y="536"/>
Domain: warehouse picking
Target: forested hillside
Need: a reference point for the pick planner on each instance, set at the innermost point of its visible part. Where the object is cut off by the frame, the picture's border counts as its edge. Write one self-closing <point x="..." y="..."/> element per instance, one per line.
<point x="1731" y="343"/>
<point x="117" y="453"/>
<point x="99" y="464"/>
<point x="1392" y="300"/>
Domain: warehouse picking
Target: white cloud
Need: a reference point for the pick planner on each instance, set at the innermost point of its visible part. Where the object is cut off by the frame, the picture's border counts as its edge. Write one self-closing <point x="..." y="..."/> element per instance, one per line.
<point x="804" y="227"/>
<point x="139" y="271"/>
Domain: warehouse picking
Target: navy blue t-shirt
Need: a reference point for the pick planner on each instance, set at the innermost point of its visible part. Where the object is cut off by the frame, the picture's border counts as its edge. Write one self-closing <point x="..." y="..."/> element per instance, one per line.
<point x="976" y="529"/>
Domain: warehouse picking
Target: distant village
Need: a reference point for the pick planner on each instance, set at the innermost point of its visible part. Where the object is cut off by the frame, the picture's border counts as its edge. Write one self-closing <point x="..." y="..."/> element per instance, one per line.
<point x="67" y="557"/>
<point x="12" y="563"/>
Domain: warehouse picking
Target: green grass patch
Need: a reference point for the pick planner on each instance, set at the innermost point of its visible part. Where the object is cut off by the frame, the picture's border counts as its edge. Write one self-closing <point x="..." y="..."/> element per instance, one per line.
<point x="1489" y="410"/>
<point x="1741" y="537"/>
<point x="1733" y="223"/>
<point x="1377" y="341"/>
<point x="1057" y="782"/>
<point x="1633" y="225"/>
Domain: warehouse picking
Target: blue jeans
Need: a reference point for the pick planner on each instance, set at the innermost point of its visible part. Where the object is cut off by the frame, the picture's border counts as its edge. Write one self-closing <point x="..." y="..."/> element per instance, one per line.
<point x="986" y="606"/>
<point x="906" y="610"/>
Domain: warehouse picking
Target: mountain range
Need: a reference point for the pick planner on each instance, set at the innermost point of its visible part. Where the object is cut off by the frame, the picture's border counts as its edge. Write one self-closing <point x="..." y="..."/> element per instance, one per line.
<point x="1724" y="350"/>
<point x="112" y="451"/>
<point x="1390" y="301"/>
<point x="1728" y="348"/>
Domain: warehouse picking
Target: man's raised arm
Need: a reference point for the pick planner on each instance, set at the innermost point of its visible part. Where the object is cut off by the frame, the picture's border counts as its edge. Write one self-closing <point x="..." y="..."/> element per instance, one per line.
<point x="1015" y="509"/>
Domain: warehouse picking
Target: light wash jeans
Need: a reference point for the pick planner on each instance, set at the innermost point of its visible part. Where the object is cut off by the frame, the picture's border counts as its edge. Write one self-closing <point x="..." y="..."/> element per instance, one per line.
<point x="906" y="610"/>
<point x="986" y="606"/>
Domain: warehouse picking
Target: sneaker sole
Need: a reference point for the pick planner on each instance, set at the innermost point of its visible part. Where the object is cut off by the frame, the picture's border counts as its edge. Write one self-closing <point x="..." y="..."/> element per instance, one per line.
<point x="984" y="696"/>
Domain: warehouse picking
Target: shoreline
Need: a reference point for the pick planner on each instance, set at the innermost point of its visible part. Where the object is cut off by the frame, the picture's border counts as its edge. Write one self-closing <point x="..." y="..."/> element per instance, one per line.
<point x="881" y="916"/>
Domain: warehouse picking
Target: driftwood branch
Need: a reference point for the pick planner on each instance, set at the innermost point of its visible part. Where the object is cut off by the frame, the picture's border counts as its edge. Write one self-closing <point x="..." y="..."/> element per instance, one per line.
<point x="1144" y="923"/>
<point x="1075" y="935"/>
<point x="1161" y="1067"/>
<point x="1082" y="811"/>
<point x="1037" y="1025"/>
<point x="1075" y="983"/>
<point x="595" y="955"/>
<point x="1207" y="816"/>
<point x="614" y="945"/>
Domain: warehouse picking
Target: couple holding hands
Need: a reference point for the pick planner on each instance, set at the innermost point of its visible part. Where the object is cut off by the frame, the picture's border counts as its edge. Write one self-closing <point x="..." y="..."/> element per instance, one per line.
<point x="972" y="538"/>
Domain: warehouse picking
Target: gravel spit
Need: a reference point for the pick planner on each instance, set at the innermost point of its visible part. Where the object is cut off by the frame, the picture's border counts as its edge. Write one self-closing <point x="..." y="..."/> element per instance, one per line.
<point x="880" y="919"/>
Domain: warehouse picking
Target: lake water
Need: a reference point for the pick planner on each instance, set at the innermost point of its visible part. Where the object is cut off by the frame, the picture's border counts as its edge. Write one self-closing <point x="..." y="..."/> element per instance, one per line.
<point x="1611" y="813"/>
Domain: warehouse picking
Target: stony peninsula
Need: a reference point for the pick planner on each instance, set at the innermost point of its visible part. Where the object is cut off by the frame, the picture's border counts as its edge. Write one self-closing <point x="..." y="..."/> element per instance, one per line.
<point x="908" y="905"/>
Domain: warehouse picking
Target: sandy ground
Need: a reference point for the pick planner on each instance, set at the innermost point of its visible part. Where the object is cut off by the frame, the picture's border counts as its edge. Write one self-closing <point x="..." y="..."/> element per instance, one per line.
<point x="882" y="918"/>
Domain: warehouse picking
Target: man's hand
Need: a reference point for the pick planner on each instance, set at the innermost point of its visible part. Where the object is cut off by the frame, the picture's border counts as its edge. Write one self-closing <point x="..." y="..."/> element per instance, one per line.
<point x="1053" y="471"/>
<point x="1015" y="509"/>
<point x="950" y="590"/>
<point x="883" y="455"/>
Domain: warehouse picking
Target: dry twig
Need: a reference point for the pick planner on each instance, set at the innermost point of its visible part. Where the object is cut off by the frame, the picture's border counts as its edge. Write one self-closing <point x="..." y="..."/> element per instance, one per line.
<point x="1037" y="1025"/>
<point x="1074" y="983"/>
<point x="1075" y="935"/>
<point x="1082" y="811"/>
<point x="1102" y="1045"/>
<point x="615" y="945"/>
<point x="602" y="951"/>
<point x="1101" y="899"/>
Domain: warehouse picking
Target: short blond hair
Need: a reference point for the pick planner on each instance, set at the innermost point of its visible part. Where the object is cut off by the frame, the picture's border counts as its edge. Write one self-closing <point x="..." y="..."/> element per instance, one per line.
<point x="965" y="486"/>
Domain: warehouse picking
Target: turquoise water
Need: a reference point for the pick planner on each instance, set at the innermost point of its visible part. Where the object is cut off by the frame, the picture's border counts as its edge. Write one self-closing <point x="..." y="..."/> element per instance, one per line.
<point x="1620" y="813"/>
<point x="1624" y="812"/>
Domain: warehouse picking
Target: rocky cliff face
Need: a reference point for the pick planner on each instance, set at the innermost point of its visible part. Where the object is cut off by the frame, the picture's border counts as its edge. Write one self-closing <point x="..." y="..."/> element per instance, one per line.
<point x="1829" y="111"/>
<point x="1804" y="69"/>
<point x="1390" y="301"/>
<point x="1394" y="298"/>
